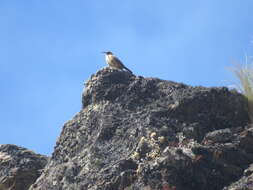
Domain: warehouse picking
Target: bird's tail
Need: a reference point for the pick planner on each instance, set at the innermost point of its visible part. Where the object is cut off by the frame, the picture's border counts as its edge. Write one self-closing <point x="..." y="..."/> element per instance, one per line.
<point x="128" y="70"/>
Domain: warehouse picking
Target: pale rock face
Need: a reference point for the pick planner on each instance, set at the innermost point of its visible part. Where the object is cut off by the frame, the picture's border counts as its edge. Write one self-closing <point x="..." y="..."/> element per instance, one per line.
<point x="4" y="156"/>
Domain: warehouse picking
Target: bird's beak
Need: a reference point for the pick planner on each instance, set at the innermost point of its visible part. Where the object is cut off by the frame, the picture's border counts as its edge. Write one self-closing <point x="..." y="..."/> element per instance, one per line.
<point x="103" y="52"/>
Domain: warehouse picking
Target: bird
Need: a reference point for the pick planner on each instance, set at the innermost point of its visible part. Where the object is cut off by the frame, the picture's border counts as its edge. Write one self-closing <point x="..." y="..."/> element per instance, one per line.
<point x="114" y="62"/>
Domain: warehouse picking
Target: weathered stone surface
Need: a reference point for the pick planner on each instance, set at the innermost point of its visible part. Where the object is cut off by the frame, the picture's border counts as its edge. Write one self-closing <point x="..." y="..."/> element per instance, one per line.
<point x="245" y="183"/>
<point x="145" y="133"/>
<point x="249" y="170"/>
<point x="219" y="136"/>
<point x="19" y="167"/>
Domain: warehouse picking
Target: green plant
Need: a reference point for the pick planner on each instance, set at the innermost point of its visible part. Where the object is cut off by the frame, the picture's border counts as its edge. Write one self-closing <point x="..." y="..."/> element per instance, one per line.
<point x="245" y="75"/>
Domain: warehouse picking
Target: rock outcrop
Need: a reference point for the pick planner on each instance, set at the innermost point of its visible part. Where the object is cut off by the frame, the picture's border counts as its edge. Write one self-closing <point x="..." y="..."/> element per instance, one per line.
<point x="136" y="133"/>
<point x="19" y="167"/>
<point x="245" y="183"/>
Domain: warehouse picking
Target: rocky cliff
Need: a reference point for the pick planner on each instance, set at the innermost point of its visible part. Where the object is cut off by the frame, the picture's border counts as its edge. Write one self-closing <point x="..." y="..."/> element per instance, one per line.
<point x="149" y="134"/>
<point x="19" y="167"/>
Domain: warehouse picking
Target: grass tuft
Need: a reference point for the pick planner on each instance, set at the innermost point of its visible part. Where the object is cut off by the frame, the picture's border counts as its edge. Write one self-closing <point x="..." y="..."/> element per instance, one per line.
<point x="245" y="75"/>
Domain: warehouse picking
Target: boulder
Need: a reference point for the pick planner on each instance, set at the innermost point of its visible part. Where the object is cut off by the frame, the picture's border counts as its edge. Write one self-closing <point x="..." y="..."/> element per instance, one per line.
<point x="136" y="133"/>
<point x="19" y="167"/>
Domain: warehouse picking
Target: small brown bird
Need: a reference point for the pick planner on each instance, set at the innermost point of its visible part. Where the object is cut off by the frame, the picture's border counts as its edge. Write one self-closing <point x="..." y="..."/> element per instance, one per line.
<point x="114" y="62"/>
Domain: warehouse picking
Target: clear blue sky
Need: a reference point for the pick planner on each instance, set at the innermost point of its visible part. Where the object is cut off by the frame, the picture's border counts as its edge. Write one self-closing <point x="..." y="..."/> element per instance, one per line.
<point x="48" y="48"/>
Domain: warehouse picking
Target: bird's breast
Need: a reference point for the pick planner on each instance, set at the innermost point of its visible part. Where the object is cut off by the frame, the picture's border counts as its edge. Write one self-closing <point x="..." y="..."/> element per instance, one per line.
<point x="108" y="59"/>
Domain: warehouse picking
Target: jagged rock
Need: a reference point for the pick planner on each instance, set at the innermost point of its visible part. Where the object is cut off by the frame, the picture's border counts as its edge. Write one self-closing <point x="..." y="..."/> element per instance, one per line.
<point x="249" y="170"/>
<point x="245" y="183"/>
<point x="246" y="140"/>
<point x="136" y="133"/>
<point x="19" y="167"/>
<point x="219" y="136"/>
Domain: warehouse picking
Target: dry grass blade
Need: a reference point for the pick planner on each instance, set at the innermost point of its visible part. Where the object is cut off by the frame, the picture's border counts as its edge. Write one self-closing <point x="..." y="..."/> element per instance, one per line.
<point x="245" y="76"/>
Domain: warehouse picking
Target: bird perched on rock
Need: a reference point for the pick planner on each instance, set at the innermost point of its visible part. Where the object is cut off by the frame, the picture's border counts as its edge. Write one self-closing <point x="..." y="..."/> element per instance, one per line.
<point x="114" y="62"/>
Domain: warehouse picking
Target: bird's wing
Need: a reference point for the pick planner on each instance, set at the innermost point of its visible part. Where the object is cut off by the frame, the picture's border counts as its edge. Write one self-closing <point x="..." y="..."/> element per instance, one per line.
<point x="118" y="61"/>
<point x="121" y="65"/>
